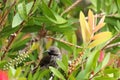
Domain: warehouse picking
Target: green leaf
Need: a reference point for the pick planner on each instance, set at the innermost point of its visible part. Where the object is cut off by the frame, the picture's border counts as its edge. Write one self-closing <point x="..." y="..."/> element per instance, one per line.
<point x="18" y="72"/>
<point x="106" y="60"/>
<point x="2" y="63"/>
<point x="61" y="65"/>
<point x="65" y="46"/>
<point x="104" y="78"/>
<point x="7" y="31"/>
<point x="57" y="73"/>
<point x="58" y="20"/>
<point x="51" y="15"/>
<point x="27" y="70"/>
<point x="69" y="2"/>
<point x="22" y="10"/>
<point x="19" y="44"/>
<point x="28" y="7"/>
<point x="71" y="77"/>
<point x="74" y="41"/>
<point x="65" y="60"/>
<point x="36" y="4"/>
<point x="30" y="29"/>
<point x="111" y="70"/>
<point x="30" y="77"/>
<point x="91" y="61"/>
<point x="47" y="11"/>
<point x="17" y="20"/>
<point x="118" y="5"/>
<point x="118" y="25"/>
<point x="36" y="75"/>
<point x="43" y="73"/>
<point x="22" y="78"/>
<point x="12" y="70"/>
<point x="98" y="5"/>
<point x="81" y="75"/>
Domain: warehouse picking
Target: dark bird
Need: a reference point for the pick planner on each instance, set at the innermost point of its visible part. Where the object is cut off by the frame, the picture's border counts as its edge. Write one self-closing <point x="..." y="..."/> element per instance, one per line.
<point x="50" y="59"/>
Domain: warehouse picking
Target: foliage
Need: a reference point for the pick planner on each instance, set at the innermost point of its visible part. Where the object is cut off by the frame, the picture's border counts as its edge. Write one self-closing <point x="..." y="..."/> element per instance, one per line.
<point x="87" y="35"/>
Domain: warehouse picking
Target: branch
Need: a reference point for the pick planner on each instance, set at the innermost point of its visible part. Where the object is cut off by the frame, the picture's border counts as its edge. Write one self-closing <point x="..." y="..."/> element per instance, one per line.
<point x="11" y="40"/>
<point x="50" y="2"/>
<point x="95" y="74"/>
<point x="112" y="39"/>
<point x="6" y="14"/>
<point x="49" y="37"/>
<point x="71" y="7"/>
<point x="112" y="45"/>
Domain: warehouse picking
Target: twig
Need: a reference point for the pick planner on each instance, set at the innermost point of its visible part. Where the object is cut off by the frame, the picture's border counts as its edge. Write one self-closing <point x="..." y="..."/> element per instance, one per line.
<point x="12" y="38"/>
<point x="71" y="7"/>
<point x="50" y="2"/>
<point x="95" y="75"/>
<point x="5" y="15"/>
<point x="102" y="14"/>
<point x="64" y="42"/>
<point x="113" y="45"/>
<point x="116" y="36"/>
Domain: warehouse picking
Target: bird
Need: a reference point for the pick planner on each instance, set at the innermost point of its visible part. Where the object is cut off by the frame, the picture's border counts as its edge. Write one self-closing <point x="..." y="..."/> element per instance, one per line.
<point x="53" y="54"/>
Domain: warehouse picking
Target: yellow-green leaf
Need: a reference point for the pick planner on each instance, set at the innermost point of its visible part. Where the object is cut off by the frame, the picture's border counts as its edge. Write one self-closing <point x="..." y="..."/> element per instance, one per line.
<point x="100" y="38"/>
<point x="102" y="35"/>
<point x="100" y="24"/>
<point x="91" y="20"/>
<point x="84" y="28"/>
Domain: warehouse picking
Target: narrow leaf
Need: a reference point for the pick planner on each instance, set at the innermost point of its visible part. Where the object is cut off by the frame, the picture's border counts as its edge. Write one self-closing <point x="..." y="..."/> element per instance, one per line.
<point x="65" y="60"/>
<point x="47" y="11"/>
<point x="17" y="20"/>
<point x="100" y="24"/>
<point x="57" y="73"/>
<point x="22" y="78"/>
<point x="84" y="28"/>
<point x="102" y="35"/>
<point x="22" y="10"/>
<point x="106" y="60"/>
<point x="91" y="61"/>
<point x="18" y="72"/>
<point x="61" y="65"/>
<point x="91" y="21"/>
<point x="71" y="77"/>
<point x="28" y="7"/>
<point x="58" y="20"/>
<point x="100" y="38"/>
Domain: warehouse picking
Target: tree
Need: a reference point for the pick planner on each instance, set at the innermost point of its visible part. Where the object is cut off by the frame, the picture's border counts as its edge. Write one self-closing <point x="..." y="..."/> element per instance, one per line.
<point x="88" y="38"/>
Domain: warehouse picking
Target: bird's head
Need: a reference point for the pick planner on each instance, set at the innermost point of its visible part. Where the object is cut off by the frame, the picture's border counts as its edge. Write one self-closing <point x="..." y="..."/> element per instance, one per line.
<point x="53" y="51"/>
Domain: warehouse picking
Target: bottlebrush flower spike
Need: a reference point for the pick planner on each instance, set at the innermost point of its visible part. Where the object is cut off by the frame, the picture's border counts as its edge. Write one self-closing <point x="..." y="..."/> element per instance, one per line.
<point x="101" y="57"/>
<point x="3" y="75"/>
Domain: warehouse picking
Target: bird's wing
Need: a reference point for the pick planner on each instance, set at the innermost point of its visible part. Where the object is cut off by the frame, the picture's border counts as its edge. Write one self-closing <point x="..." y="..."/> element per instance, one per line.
<point x="45" y="61"/>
